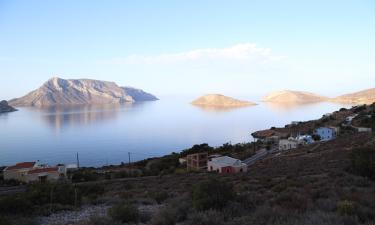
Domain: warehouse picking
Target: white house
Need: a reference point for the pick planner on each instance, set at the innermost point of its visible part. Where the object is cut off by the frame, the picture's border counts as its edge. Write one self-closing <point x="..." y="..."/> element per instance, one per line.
<point x="364" y="129"/>
<point x="287" y="144"/>
<point x="305" y="139"/>
<point x="327" y="133"/>
<point x="226" y="164"/>
<point x="349" y="119"/>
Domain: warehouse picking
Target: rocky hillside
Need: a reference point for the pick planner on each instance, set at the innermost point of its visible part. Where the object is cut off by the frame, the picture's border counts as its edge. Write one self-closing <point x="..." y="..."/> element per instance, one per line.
<point x="4" y="107"/>
<point x="139" y="95"/>
<point x="288" y="96"/>
<point x="57" y="91"/>
<point x="361" y="97"/>
<point x="218" y="100"/>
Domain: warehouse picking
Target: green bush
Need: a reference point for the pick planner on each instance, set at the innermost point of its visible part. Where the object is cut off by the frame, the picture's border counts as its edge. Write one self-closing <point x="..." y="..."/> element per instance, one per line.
<point x="363" y="161"/>
<point x="61" y="193"/>
<point x="38" y="195"/>
<point x="212" y="194"/>
<point x="124" y="213"/>
<point x="91" y="191"/>
<point x="4" y="221"/>
<point x="345" y="207"/>
<point x="164" y="217"/>
<point x="160" y="196"/>
<point x="206" y="218"/>
<point x="15" y="204"/>
<point x="84" y="176"/>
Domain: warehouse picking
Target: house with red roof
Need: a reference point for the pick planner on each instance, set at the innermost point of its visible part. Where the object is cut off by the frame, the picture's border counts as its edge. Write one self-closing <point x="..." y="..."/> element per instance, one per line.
<point x="33" y="171"/>
<point x="19" y="171"/>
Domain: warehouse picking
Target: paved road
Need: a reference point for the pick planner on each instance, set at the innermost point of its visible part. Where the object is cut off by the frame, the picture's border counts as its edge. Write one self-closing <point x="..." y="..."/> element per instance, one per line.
<point x="12" y="190"/>
<point x="261" y="154"/>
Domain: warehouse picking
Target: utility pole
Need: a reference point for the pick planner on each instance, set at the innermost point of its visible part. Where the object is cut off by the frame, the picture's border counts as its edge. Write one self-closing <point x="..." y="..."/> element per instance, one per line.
<point x="130" y="170"/>
<point x="77" y="161"/>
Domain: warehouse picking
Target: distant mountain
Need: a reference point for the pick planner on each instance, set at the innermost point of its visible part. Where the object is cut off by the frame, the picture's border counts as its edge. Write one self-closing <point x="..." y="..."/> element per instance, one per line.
<point x="218" y="100"/>
<point x="361" y="97"/>
<point x="139" y="95"/>
<point x="57" y="91"/>
<point x="4" y="107"/>
<point x="298" y="97"/>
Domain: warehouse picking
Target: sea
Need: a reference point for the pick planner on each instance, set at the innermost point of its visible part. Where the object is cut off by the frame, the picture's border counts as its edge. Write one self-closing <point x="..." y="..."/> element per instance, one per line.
<point x="111" y="134"/>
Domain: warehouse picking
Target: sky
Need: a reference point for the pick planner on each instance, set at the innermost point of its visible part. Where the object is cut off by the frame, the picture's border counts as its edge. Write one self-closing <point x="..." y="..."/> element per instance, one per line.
<point x="189" y="48"/>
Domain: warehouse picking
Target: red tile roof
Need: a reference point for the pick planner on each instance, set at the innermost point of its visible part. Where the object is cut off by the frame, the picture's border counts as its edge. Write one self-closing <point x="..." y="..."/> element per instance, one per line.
<point x="23" y="165"/>
<point x="43" y="170"/>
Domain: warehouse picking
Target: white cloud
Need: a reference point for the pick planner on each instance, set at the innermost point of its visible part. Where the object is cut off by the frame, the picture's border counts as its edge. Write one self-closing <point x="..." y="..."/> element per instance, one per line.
<point x="247" y="52"/>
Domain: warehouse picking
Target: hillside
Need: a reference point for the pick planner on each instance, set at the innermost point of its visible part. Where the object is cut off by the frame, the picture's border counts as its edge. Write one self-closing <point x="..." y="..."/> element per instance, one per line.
<point x="361" y="97"/>
<point x="57" y="91"/>
<point x="288" y="96"/>
<point x="218" y="100"/>
<point x="4" y="107"/>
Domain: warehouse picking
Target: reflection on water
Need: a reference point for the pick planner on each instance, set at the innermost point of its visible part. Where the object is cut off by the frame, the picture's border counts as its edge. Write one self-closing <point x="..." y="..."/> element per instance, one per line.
<point x="285" y="107"/>
<point x="80" y="115"/>
<point x="220" y="108"/>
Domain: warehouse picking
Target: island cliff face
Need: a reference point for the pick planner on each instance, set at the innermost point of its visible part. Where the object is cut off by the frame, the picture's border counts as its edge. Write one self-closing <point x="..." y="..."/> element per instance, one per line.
<point x="218" y="100"/>
<point x="297" y="97"/>
<point x="57" y="91"/>
<point x="4" y="107"/>
<point x="361" y="97"/>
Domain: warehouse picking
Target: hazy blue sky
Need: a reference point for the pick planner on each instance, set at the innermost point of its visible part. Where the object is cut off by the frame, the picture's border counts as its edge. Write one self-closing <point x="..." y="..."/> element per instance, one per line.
<point x="238" y="48"/>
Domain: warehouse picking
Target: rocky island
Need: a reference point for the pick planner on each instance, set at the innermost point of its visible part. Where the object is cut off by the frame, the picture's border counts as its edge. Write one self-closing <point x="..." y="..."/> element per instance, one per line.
<point x="361" y="97"/>
<point x="218" y="100"/>
<point x="293" y="97"/>
<point x="57" y="91"/>
<point x="5" y="107"/>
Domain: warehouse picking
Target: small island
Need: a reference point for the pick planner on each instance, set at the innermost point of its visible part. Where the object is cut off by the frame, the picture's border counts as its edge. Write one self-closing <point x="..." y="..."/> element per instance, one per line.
<point x="295" y="97"/>
<point x="4" y="107"/>
<point x="218" y="100"/>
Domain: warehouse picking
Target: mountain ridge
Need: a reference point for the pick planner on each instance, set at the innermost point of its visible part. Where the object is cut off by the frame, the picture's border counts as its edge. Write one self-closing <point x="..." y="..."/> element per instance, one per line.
<point x="58" y="91"/>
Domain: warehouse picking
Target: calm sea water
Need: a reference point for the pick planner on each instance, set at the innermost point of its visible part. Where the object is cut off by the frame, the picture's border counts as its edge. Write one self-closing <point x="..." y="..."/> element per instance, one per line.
<point x="104" y="134"/>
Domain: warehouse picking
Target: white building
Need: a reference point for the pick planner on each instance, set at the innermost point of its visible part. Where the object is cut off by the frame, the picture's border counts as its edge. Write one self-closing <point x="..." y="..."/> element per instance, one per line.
<point x="226" y="164"/>
<point x="287" y="144"/>
<point x="327" y="133"/>
<point x="305" y="139"/>
<point x="364" y="129"/>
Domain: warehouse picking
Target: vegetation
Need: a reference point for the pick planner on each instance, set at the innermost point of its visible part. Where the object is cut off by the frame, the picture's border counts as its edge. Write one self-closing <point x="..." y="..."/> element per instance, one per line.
<point x="124" y="213"/>
<point x="212" y="194"/>
<point x="363" y="161"/>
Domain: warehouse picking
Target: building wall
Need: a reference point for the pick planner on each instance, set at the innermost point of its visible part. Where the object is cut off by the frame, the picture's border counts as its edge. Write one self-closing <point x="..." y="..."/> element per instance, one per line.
<point x="287" y="145"/>
<point x="212" y="166"/>
<point x="326" y="133"/>
<point x="364" y="129"/>
<point x="20" y="175"/>
<point x="196" y="161"/>
<point x="50" y="176"/>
